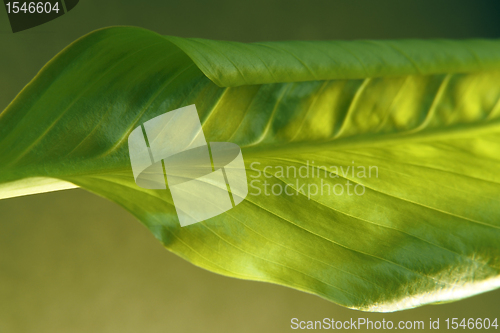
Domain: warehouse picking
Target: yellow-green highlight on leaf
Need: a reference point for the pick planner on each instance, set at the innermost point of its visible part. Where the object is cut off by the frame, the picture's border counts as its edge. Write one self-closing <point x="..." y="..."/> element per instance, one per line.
<point x="34" y="185"/>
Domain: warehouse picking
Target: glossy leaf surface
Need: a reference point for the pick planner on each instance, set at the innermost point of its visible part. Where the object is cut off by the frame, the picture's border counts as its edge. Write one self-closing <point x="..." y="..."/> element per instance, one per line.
<point x="421" y="118"/>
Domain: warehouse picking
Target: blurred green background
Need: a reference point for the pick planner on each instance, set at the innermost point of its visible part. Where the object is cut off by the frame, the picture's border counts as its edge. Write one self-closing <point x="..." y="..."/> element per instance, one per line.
<point x="73" y="262"/>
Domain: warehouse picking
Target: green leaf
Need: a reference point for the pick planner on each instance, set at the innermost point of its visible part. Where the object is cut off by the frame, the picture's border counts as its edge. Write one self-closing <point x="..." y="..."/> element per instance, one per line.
<point x="231" y="64"/>
<point x="421" y="116"/>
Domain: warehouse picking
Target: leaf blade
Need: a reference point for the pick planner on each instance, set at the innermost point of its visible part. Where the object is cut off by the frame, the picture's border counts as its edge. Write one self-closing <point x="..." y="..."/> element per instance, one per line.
<point x="411" y="239"/>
